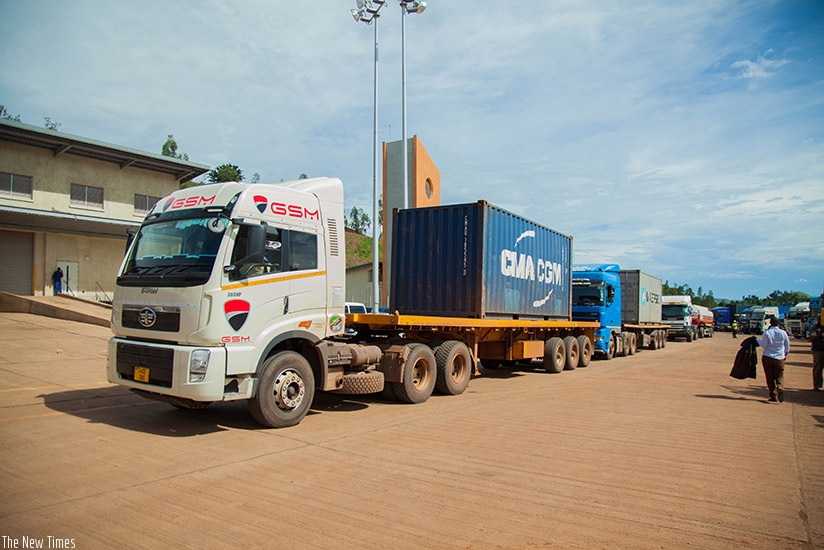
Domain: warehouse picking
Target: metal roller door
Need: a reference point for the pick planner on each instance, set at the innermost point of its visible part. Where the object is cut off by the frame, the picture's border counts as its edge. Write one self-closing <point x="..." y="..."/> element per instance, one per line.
<point x="16" y="260"/>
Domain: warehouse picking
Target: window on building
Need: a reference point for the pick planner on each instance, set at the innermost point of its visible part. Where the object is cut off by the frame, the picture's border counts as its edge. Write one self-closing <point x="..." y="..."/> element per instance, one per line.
<point x="15" y="186"/>
<point x="144" y="203"/>
<point x="85" y="195"/>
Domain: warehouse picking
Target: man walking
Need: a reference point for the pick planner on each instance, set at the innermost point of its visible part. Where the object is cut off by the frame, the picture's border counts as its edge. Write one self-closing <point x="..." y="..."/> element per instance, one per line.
<point x="776" y="345"/>
<point x="57" y="280"/>
<point x="734" y="328"/>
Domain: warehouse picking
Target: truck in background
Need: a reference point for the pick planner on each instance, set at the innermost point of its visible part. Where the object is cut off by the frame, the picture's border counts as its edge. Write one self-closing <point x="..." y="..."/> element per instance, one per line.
<point x="760" y="318"/>
<point x="625" y="303"/>
<point x="744" y="319"/>
<point x="796" y="319"/>
<point x="236" y="291"/>
<point x="724" y="316"/>
<point x="704" y="321"/>
<point x="677" y="313"/>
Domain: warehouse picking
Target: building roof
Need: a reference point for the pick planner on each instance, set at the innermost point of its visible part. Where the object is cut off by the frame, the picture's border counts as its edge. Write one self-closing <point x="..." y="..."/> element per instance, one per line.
<point x="26" y="218"/>
<point x="61" y="143"/>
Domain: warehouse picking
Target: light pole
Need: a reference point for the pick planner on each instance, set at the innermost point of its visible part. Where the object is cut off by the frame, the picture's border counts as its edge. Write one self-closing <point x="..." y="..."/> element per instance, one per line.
<point x="367" y="12"/>
<point x="407" y="6"/>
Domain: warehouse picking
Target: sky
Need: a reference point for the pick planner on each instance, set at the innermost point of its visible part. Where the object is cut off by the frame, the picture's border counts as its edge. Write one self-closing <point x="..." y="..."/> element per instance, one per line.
<point x="685" y="139"/>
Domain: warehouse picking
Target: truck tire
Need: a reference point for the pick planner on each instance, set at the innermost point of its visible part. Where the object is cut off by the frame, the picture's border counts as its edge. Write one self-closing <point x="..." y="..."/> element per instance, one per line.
<point x="454" y="367"/>
<point x="633" y="344"/>
<point x="573" y="353"/>
<point x="610" y="349"/>
<point x="360" y="383"/>
<point x="689" y="336"/>
<point x="285" y="391"/>
<point x="419" y="375"/>
<point x="655" y="340"/>
<point x="585" y="351"/>
<point x="554" y="355"/>
<point x="663" y="339"/>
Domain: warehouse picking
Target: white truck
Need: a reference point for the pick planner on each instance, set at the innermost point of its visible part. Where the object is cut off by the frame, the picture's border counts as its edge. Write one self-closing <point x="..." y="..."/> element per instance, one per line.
<point x="236" y="291"/>
<point x="797" y="318"/>
<point x="677" y="313"/>
<point x="760" y="319"/>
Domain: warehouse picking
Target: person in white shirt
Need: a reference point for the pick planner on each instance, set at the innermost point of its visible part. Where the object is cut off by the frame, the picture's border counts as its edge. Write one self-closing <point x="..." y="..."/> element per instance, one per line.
<point x="776" y="346"/>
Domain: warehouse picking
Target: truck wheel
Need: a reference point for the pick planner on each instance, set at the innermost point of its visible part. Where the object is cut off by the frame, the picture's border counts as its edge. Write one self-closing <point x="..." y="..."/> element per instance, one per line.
<point x="285" y="391"/>
<point x="454" y="367"/>
<point x="662" y="341"/>
<point x="633" y="344"/>
<point x="655" y="340"/>
<point x="360" y="383"/>
<point x="585" y="351"/>
<point x="573" y="353"/>
<point x="419" y="375"/>
<point x="554" y="355"/>
<point x="689" y="337"/>
<point x="610" y="349"/>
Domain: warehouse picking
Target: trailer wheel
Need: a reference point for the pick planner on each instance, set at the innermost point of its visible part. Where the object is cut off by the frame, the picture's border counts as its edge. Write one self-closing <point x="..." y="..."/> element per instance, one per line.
<point x="285" y="391"/>
<point x="655" y="340"/>
<point x="360" y="383"/>
<point x="663" y="339"/>
<point x="573" y="353"/>
<point x="454" y="367"/>
<point x="632" y="346"/>
<point x="554" y="355"/>
<point x="585" y="351"/>
<point x="419" y="375"/>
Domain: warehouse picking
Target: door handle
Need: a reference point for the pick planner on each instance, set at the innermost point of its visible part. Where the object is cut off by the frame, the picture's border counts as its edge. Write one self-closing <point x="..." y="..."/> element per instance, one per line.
<point x="285" y="305"/>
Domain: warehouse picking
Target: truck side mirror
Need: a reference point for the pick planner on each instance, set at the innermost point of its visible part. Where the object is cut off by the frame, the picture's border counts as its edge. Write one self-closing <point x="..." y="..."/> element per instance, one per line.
<point x="610" y="294"/>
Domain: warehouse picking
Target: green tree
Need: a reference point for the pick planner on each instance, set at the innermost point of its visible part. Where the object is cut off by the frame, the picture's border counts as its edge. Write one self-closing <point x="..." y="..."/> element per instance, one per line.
<point x="5" y="115"/>
<point x="51" y="124"/>
<point x="169" y="149"/>
<point x="225" y="172"/>
<point x="255" y="177"/>
<point x="358" y="220"/>
<point x="303" y="177"/>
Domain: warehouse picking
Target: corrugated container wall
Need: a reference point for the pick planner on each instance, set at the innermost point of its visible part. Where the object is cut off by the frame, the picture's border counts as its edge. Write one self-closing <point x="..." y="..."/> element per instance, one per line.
<point x="477" y="260"/>
<point x="640" y="297"/>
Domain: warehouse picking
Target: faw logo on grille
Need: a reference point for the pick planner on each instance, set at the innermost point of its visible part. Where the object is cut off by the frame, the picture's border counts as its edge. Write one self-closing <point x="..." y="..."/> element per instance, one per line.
<point x="147" y="317"/>
<point x="236" y="312"/>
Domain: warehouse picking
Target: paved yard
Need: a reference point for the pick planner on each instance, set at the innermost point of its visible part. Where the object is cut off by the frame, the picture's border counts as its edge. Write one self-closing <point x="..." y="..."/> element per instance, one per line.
<point x="659" y="450"/>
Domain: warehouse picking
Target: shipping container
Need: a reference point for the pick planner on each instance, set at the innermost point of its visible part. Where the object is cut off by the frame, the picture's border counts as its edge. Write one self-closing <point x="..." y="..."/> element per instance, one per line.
<point x="479" y="261"/>
<point x="641" y="303"/>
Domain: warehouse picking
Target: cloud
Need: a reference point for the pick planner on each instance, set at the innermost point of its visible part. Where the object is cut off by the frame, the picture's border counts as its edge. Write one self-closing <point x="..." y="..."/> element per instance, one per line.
<point x="762" y="67"/>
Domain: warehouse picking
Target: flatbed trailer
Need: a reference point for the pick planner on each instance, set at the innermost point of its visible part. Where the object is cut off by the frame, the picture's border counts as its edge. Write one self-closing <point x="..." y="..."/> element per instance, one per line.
<point x="563" y="345"/>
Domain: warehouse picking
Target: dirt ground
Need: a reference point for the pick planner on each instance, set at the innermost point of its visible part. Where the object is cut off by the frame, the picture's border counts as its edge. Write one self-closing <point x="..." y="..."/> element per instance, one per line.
<point x="660" y="450"/>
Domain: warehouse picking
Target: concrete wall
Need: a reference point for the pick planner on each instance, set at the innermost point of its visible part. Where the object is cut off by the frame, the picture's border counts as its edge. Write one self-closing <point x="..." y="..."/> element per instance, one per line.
<point x="52" y="178"/>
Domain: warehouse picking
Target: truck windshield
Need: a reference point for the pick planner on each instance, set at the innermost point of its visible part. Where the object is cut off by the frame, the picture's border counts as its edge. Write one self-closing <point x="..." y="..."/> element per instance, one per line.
<point x="674" y="311"/>
<point x="591" y="294"/>
<point x="174" y="253"/>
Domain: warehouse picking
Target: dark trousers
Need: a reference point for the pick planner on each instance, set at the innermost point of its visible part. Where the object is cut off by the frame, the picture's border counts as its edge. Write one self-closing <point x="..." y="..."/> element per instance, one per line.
<point x="774" y="371"/>
<point x="818" y="366"/>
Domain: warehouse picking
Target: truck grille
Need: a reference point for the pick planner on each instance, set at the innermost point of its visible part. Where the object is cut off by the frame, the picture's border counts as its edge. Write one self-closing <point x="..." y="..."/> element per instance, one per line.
<point x="159" y="361"/>
<point x="164" y="319"/>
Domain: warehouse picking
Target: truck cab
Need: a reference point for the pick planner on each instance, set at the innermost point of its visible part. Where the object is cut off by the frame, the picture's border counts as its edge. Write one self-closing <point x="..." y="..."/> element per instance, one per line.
<point x="796" y="319"/>
<point x="596" y="296"/>
<point x="221" y="277"/>
<point x="677" y="313"/>
<point x="760" y="319"/>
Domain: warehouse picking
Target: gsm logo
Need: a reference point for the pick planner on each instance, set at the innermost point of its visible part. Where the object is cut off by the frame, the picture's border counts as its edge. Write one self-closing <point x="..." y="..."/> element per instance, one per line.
<point x="293" y="211"/>
<point x="188" y="202"/>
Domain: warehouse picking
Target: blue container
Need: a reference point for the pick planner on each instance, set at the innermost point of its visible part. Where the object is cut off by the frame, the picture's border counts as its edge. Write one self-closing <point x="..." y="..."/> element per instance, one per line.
<point x="478" y="260"/>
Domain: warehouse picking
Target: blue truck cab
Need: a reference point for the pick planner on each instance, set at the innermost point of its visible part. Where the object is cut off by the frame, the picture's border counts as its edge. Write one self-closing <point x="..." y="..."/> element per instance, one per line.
<point x="596" y="296"/>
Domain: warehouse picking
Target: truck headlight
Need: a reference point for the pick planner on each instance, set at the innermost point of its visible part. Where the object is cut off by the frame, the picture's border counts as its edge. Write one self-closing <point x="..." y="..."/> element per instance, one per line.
<point x="198" y="365"/>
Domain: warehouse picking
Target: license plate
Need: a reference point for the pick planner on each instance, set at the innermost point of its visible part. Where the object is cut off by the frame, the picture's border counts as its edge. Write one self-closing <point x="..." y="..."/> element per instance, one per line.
<point x="141" y="374"/>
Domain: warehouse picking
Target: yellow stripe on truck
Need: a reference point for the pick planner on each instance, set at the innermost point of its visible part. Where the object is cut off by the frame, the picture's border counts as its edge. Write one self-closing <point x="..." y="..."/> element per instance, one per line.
<point x="247" y="284"/>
